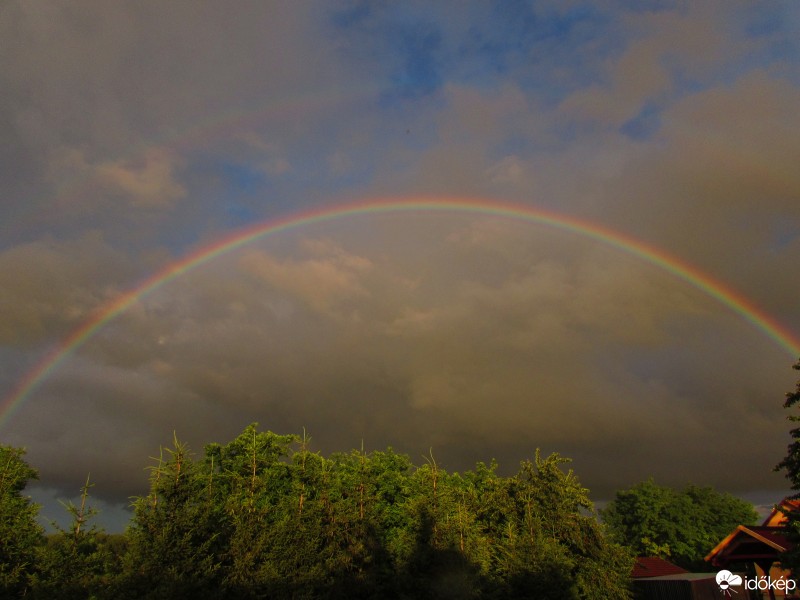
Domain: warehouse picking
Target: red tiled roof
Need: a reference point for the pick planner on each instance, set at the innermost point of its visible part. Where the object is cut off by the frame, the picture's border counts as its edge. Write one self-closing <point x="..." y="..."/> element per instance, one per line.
<point x="653" y="566"/>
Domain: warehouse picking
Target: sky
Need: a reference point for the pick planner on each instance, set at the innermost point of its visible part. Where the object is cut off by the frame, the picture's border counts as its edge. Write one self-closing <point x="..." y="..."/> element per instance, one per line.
<point x="139" y="137"/>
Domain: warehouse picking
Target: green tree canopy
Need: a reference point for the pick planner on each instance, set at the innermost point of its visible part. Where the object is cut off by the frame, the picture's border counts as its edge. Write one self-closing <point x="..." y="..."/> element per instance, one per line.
<point x="76" y="562"/>
<point x="20" y="533"/>
<point x="267" y="516"/>
<point x="679" y="525"/>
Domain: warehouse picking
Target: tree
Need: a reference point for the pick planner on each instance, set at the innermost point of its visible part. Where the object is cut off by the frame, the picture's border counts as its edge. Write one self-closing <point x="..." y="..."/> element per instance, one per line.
<point x="439" y="565"/>
<point x="791" y="465"/>
<point x="682" y="526"/>
<point x="264" y="516"/>
<point x="557" y="529"/>
<point x="247" y="482"/>
<point x="76" y="562"/>
<point x="173" y="537"/>
<point x="20" y="533"/>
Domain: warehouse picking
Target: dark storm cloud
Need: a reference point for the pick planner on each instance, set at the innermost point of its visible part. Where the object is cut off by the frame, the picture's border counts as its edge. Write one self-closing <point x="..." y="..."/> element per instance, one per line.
<point x="507" y="334"/>
<point x="135" y="134"/>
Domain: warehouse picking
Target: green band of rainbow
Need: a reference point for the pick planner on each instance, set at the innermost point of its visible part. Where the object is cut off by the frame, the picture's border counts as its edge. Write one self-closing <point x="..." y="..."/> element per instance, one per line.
<point x="680" y="269"/>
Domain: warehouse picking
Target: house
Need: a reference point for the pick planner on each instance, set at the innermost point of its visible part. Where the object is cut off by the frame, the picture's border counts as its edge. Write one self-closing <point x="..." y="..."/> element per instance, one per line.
<point x="760" y="545"/>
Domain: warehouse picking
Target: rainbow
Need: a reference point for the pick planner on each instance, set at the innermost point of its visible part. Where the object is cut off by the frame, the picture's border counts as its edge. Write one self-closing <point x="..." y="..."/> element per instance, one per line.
<point x="680" y="269"/>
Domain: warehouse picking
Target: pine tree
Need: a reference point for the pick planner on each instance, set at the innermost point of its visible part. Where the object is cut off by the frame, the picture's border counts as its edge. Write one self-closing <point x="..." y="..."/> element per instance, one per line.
<point x="173" y="535"/>
<point x="75" y="562"/>
<point x="251" y="483"/>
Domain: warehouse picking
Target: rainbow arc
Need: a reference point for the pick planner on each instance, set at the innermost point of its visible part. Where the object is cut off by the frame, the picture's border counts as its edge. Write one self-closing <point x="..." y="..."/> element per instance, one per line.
<point x="682" y="270"/>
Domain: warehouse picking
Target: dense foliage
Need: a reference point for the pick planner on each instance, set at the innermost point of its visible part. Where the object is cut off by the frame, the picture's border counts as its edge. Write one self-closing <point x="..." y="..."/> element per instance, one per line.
<point x="682" y="526"/>
<point x="20" y="534"/>
<point x="791" y="465"/>
<point x="265" y="517"/>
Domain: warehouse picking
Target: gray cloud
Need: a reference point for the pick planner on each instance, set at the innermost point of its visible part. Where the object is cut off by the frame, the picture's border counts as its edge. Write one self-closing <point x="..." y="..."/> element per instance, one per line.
<point x="135" y="135"/>
<point x="510" y="334"/>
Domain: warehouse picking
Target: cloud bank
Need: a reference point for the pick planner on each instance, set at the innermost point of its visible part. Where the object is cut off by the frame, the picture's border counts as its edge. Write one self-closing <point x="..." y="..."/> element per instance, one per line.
<point x="135" y="135"/>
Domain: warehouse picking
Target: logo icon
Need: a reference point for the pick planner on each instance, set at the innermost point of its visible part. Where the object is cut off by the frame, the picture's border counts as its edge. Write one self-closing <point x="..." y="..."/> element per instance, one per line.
<point x="726" y="579"/>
